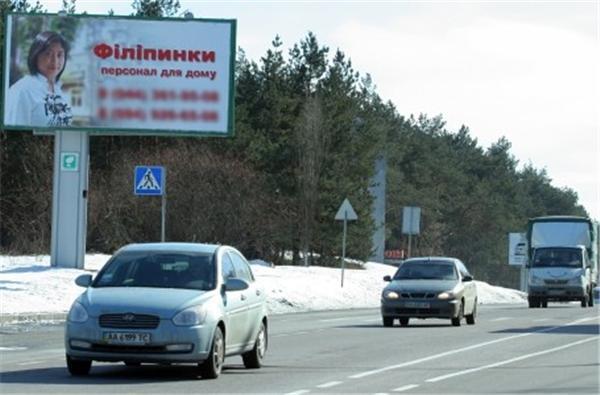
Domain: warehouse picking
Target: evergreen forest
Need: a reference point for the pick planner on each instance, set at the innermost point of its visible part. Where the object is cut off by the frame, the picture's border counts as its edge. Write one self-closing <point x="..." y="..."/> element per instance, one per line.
<point x="309" y="128"/>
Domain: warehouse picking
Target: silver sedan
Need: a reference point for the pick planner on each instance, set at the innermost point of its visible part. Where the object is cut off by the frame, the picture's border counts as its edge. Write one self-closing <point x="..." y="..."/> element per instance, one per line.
<point x="169" y="303"/>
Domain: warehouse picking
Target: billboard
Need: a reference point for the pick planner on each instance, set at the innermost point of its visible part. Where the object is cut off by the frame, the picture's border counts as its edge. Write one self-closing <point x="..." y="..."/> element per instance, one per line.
<point x="119" y="75"/>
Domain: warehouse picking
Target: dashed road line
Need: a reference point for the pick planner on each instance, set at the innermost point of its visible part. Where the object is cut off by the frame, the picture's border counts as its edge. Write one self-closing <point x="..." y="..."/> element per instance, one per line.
<point x="501" y="319"/>
<point x="29" y="363"/>
<point x="459" y="350"/>
<point x="13" y="348"/>
<point x="299" y="392"/>
<point x="406" y="388"/>
<point x="330" y="384"/>
<point x="522" y="357"/>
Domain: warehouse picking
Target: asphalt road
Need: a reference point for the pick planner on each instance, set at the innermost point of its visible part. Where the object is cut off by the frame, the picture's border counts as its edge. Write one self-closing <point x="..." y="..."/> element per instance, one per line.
<point x="511" y="349"/>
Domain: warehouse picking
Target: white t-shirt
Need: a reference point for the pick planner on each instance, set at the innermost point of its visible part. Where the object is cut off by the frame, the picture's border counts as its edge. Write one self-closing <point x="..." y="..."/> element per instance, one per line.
<point x="30" y="103"/>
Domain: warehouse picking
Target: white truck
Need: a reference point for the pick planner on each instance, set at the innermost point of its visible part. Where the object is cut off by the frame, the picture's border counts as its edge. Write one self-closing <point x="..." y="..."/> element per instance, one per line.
<point x="562" y="260"/>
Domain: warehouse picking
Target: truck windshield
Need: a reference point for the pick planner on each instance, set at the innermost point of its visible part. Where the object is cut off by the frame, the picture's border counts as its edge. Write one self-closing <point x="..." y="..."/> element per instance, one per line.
<point x="557" y="257"/>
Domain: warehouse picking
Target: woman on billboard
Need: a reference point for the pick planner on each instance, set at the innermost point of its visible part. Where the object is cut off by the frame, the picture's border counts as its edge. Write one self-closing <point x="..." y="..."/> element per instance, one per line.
<point x="37" y="98"/>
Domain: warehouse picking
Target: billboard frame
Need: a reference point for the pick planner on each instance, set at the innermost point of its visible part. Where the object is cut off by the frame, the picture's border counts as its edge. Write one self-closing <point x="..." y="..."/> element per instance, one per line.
<point x="103" y="131"/>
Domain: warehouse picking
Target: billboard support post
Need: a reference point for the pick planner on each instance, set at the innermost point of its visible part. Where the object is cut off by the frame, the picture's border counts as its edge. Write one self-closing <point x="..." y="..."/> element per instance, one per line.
<point x="69" y="199"/>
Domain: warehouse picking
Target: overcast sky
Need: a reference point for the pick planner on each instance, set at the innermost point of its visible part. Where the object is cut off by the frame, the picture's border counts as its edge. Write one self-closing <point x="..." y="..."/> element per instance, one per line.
<point x="526" y="70"/>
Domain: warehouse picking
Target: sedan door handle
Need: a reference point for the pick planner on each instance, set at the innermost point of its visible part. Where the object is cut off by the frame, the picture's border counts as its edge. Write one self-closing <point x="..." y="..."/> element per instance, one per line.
<point x="257" y="292"/>
<point x="243" y="297"/>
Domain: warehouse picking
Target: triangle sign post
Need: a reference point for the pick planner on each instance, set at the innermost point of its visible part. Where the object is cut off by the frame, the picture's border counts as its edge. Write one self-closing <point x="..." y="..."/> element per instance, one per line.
<point x="345" y="213"/>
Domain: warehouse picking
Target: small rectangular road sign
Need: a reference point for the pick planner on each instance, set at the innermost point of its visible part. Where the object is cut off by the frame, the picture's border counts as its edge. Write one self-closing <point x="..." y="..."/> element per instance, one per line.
<point x="149" y="180"/>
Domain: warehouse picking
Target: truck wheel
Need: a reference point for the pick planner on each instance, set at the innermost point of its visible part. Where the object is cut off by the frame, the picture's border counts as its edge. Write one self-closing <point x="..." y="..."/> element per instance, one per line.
<point x="404" y="321"/>
<point x="544" y="303"/>
<point x="584" y="301"/>
<point x="533" y="302"/>
<point x="591" y="298"/>
<point x="388" y="321"/>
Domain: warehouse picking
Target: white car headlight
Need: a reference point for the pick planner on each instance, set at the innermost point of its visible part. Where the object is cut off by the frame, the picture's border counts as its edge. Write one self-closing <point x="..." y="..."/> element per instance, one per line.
<point x="391" y="295"/>
<point x="446" y="295"/>
<point x="77" y="313"/>
<point x="190" y="317"/>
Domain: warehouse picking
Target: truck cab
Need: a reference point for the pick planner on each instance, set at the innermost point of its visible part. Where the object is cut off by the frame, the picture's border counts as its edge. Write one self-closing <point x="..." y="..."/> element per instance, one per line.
<point x="560" y="273"/>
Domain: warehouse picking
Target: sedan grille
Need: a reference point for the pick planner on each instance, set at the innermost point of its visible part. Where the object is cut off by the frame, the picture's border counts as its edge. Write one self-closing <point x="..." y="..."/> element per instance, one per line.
<point x="129" y="321"/>
<point x="417" y="295"/>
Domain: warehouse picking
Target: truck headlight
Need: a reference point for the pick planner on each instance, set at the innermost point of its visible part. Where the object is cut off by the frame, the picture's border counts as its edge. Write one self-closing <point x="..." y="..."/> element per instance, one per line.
<point x="576" y="280"/>
<point x="535" y="280"/>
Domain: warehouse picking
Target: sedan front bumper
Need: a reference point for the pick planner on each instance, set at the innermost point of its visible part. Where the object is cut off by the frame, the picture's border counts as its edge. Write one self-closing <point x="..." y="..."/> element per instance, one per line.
<point x="167" y="343"/>
<point x="420" y="308"/>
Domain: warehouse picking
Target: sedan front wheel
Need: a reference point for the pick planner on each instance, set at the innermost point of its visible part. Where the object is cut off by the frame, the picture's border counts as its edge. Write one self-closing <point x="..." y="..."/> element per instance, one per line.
<point x="78" y="367"/>
<point x="211" y="368"/>
<point x="461" y="311"/>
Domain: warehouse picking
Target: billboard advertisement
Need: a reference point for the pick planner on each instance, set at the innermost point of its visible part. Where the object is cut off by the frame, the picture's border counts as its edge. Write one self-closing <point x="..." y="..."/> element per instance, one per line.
<point x="119" y="75"/>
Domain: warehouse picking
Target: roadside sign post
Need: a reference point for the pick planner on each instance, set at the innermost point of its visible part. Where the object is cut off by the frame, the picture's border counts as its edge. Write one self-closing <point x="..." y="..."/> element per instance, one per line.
<point x="69" y="199"/>
<point x="411" y="220"/>
<point x="151" y="181"/>
<point x="345" y="213"/>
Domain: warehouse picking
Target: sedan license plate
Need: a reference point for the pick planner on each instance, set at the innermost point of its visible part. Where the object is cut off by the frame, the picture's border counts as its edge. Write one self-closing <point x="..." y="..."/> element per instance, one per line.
<point x="417" y="305"/>
<point x="130" y="338"/>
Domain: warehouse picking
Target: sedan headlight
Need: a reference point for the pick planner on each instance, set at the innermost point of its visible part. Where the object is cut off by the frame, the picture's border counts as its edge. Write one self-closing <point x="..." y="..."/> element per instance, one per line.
<point x="391" y="295"/>
<point x="77" y="313"/>
<point x="446" y="295"/>
<point x="190" y="317"/>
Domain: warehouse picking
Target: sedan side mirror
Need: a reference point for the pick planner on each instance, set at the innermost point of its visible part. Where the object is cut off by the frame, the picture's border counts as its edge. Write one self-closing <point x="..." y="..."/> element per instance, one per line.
<point x="84" y="280"/>
<point x="467" y="278"/>
<point x="236" y="284"/>
<point x="387" y="278"/>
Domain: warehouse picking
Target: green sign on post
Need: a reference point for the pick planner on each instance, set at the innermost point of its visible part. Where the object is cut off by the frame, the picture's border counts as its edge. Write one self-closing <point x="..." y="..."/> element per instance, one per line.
<point x="69" y="161"/>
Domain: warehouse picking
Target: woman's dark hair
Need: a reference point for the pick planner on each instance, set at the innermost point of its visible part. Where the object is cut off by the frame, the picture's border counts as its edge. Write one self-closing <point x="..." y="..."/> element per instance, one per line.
<point x="42" y="42"/>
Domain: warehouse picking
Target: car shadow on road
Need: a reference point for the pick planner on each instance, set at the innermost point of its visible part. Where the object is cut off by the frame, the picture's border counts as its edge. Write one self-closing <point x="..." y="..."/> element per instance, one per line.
<point x="587" y="329"/>
<point x="396" y="326"/>
<point x="111" y="374"/>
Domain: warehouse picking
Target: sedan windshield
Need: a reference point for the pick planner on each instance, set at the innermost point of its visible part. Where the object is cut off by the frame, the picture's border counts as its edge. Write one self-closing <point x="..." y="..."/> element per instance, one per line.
<point x="426" y="270"/>
<point x="159" y="269"/>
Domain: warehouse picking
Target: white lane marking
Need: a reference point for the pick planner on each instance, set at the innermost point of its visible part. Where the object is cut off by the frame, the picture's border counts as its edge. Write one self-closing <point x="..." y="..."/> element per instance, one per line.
<point x="501" y="319"/>
<point x="347" y="318"/>
<point x="12" y="348"/>
<point x="330" y="384"/>
<point x="29" y="363"/>
<point x="406" y="388"/>
<point x="302" y="333"/>
<point x="522" y="357"/>
<point x="458" y="350"/>
<point x="299" y="392"/>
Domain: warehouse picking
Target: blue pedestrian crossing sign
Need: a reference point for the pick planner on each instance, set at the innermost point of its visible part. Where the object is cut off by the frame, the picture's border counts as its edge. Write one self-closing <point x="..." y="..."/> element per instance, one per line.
<point x="149" y="180"/>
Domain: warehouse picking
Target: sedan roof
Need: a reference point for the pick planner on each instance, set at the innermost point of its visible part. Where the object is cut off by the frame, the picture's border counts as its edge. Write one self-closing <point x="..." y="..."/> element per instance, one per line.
<point x="432" y="258"/>
<point x="172" y="246"/>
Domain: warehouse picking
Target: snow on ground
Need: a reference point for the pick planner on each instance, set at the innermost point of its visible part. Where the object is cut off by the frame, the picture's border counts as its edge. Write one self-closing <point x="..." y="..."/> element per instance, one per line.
<point x="29" y="285"/>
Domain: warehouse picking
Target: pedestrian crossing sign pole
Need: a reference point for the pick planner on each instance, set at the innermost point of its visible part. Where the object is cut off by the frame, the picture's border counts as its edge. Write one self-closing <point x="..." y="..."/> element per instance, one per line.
<point x="151" y="181"/>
